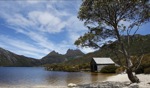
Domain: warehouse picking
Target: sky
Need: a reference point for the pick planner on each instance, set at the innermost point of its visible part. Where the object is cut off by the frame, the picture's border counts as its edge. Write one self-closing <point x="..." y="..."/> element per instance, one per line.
<point x="34" y="28"/>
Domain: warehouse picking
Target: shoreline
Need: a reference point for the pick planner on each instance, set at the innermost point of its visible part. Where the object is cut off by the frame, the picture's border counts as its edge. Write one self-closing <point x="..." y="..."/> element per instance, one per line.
<point x="115" y="84"/>
<point x="116" y="81"/>
<point x="120" y="81"/>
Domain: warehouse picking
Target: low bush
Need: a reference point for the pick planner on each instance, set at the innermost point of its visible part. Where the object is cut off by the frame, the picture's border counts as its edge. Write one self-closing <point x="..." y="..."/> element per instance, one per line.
<point x="109" y="69"/>
<point x="142" y="67"/>
<point x="139" y="70"/>
<point x="120" y="70"/>
<point x="147" y="70"/>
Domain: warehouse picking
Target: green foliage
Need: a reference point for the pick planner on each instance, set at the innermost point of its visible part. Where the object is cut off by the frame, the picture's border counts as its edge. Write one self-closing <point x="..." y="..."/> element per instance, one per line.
<point x="139" y="70"/>
<point x="109" y="69"/>
<point x="60" y="67"/>
<point x="68" y="68"/>
<point x="147" y="71"/>
<point x="103" y="18"/>
<point x="120" y="70"/>
<point x="144" y="64"/>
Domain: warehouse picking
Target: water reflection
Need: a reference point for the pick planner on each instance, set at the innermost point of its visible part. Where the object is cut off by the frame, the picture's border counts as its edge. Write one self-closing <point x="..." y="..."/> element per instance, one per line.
<point x="99" y="77"/>
<point x="31" y="76"/>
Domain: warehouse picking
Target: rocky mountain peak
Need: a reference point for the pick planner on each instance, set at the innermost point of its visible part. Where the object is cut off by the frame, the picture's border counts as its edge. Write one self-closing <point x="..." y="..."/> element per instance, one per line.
<point x="71" y="52"/>
<point x="53" y="53"/>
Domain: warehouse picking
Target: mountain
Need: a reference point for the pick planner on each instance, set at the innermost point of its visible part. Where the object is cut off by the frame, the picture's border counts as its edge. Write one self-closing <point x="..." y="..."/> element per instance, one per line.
<point x="72" y="54"/>
<point x="54" y="57"/>
<point x="8" y="58"/>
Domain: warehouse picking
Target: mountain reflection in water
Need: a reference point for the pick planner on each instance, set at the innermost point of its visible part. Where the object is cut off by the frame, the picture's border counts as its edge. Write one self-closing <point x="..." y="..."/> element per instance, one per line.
<point x="34" y="76"/>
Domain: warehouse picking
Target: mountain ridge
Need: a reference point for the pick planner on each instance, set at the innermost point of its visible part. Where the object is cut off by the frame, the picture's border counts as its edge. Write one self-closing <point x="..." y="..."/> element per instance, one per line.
<point x="55" y="57"/>
<point x="71" y="57"/>
<point x="8" y="58"/>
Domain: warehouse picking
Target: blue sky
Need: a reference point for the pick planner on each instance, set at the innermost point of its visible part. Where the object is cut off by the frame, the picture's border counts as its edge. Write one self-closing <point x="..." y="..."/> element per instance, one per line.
<point x="36" y="27"/>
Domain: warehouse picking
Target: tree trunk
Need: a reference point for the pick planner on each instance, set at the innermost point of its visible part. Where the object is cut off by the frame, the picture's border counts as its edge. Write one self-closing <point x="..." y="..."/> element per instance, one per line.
<point x="133" y="78"/>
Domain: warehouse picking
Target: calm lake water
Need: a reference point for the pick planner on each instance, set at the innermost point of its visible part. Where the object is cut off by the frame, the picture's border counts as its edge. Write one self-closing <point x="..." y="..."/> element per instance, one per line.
<point x="39" y="77"/>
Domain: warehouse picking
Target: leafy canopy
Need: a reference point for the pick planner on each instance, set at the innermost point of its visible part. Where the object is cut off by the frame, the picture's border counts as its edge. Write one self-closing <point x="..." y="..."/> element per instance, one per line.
<point x="109" y="18"/>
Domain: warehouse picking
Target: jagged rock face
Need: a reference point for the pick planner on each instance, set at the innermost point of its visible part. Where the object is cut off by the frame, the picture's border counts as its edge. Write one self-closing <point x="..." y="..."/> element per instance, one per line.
<point x="53" y="53"/>
<point x="55" y="57"/>
<point x="8" y="58"/>
<point x="74" y="53"/>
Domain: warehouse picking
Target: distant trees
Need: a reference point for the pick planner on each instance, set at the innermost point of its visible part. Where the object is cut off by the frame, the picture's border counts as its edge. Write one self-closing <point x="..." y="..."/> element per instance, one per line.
<point x="111" y="19"/>
<point x="67" y="68"/>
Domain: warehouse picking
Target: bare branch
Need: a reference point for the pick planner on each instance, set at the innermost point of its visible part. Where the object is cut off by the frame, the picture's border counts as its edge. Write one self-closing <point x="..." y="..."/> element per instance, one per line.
<point x="120" y="51"/>
<point x="139" y="61"/>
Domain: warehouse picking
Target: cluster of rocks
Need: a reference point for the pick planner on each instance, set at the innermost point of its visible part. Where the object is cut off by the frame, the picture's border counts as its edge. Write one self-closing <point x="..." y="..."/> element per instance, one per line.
<point x="112" y="84"/>
<point x="103" y="85"/>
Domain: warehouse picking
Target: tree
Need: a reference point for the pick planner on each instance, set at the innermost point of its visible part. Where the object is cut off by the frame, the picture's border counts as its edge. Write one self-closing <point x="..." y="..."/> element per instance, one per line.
<point x="107" y="19"/>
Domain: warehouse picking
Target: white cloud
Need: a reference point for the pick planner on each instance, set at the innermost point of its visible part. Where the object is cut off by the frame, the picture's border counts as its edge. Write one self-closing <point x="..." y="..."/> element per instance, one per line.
<point x="75" y="28"/>
<point x="46" y="21"/>
<point x="29" y="54"/>
<point x="17" y="20"/>
<point x="74" y="25"/>
<point x="37" y="19"/>
<point x="87" y="49"/>
<point x="33" y="1"/>
<point x="22" y="46"/>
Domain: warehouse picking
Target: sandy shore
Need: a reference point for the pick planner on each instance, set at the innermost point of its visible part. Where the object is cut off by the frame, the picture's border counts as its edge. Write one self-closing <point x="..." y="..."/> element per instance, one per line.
<point x="123" y="77"/>
<point x="120" y="81"/>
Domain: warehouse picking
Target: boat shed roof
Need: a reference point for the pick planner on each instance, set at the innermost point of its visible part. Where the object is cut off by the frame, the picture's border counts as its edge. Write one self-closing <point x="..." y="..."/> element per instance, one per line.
<point x="103" y="60"/>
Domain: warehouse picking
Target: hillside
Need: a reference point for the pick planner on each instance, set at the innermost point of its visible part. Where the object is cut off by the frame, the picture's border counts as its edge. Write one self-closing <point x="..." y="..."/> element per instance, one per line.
<point x="8" y="58"/>
<point x="140" y="45"/>
<point x="140" y="42"/>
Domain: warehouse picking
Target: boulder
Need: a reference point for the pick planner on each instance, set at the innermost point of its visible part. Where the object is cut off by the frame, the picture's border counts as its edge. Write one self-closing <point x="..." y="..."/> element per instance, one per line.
<point x="72" y="85"/>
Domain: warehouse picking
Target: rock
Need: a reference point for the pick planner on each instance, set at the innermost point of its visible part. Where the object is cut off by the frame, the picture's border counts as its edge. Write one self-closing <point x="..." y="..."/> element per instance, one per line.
<point x="113" y="84"/>
<point x="103" y="85"/>
<point x="134" y="85"/>
<point x="72" y="85"/>
<point x="127" y="83"/>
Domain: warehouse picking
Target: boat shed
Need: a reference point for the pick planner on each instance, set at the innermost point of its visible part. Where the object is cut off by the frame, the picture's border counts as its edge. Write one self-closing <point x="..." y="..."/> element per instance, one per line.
<point x="98" y="63"/>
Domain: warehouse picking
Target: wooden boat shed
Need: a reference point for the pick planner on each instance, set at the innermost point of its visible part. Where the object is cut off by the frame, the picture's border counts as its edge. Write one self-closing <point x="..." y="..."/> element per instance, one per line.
<point x="98" y="63"/>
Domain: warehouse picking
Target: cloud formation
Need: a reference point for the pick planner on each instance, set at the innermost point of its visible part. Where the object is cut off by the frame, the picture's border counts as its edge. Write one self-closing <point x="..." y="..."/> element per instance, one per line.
<point x="36" y="27"/>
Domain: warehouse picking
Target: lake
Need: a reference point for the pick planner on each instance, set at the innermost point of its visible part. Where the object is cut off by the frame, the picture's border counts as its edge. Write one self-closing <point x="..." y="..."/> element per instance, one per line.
<point x="38" y="77"/>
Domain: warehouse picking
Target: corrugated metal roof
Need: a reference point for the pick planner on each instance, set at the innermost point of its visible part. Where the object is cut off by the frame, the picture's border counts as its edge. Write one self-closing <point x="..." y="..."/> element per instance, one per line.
<point x="103" y="60"/>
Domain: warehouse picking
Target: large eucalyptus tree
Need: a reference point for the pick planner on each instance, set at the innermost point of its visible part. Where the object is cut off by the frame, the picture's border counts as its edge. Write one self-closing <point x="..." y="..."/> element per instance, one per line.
<point x="111" y="19"/>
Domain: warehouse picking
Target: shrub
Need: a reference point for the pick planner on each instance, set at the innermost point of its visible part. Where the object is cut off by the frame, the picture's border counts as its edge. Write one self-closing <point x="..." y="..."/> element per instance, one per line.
<point x="147" y="71"/>
<point x="142" y="67"/>
<point x="139" y="70"/>
<point x="109" y="69"/>
<point x="120" y="70"/>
